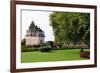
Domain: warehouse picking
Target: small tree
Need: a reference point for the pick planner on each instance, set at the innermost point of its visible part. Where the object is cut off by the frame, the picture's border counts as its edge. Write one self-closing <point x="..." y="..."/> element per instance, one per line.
<point x="23" y="41"/>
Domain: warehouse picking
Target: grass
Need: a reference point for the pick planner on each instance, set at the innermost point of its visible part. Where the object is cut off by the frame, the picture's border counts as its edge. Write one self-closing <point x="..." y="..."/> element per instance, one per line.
<point x="54" y="55"/>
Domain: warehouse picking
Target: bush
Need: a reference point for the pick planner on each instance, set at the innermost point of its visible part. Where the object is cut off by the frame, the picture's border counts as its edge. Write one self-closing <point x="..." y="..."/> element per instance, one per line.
<point x="84" y="54"/>
<point x="44" y="44"/>
<point x="28" y="49"/>
<point x="45" y="49"/>
<point x="23" y="41"/>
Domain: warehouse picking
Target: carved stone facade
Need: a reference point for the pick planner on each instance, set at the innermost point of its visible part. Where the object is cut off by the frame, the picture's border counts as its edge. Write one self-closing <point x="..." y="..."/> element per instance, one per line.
<point x="34" y="36"/>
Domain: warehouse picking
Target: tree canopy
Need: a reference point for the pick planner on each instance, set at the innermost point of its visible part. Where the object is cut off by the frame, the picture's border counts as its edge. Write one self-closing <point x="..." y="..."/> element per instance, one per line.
<point x="71" y="27"/>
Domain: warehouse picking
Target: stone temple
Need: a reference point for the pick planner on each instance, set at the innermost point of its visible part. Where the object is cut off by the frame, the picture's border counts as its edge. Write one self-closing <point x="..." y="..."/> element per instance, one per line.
<point x="34" y="35"/>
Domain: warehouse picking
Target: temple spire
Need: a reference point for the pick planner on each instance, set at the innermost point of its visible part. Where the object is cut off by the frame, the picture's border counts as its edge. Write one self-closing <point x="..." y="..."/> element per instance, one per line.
<point x="32" y="25"/>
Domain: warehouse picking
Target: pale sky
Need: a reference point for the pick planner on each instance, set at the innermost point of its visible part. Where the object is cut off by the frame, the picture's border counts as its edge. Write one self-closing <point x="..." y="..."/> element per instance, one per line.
<point x="41" y="19"/>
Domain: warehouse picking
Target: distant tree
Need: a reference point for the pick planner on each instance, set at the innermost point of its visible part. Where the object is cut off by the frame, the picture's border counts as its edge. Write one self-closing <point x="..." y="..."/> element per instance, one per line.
<point x="70" y="27"/>
<point x="50" y="43"/>
<point x="23" y="41"/>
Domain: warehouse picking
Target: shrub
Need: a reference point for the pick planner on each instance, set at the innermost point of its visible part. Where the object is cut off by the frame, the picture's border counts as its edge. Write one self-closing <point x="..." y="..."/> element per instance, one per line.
<point x="28" y="49"/>
<point x="50" y="43"/>
<point x="23" y="41"/>
<point x="45" y="49"/>
<point x="84" y="54"/>
<point x="44" y="44"/>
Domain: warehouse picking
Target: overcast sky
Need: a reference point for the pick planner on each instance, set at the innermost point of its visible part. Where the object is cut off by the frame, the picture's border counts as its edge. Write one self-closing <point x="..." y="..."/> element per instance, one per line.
<point x="41" y="19"/>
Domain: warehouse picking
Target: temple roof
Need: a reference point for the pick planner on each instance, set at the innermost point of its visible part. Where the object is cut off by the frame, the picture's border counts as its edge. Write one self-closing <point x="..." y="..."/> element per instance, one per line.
<point x="32" y="25"/>
<point x="34" y="28"/>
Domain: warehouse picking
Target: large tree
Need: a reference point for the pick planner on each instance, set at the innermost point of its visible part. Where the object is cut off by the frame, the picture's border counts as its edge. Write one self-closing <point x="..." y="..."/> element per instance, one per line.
<point x="71" y="27"/>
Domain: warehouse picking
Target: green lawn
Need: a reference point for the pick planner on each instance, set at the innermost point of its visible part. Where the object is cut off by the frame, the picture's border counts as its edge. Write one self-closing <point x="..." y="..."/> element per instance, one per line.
<point x="54" y="55"/>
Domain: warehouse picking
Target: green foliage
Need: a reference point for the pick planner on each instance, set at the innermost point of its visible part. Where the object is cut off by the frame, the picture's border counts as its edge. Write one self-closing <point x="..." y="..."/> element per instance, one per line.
<point x="28" y="49"/>
<point x="45" y="44"/>
<point x="23" y="41"/>
<point x="71" y="27"/>
<point x="45" y="49"/>
<point x="50" y="43"/>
